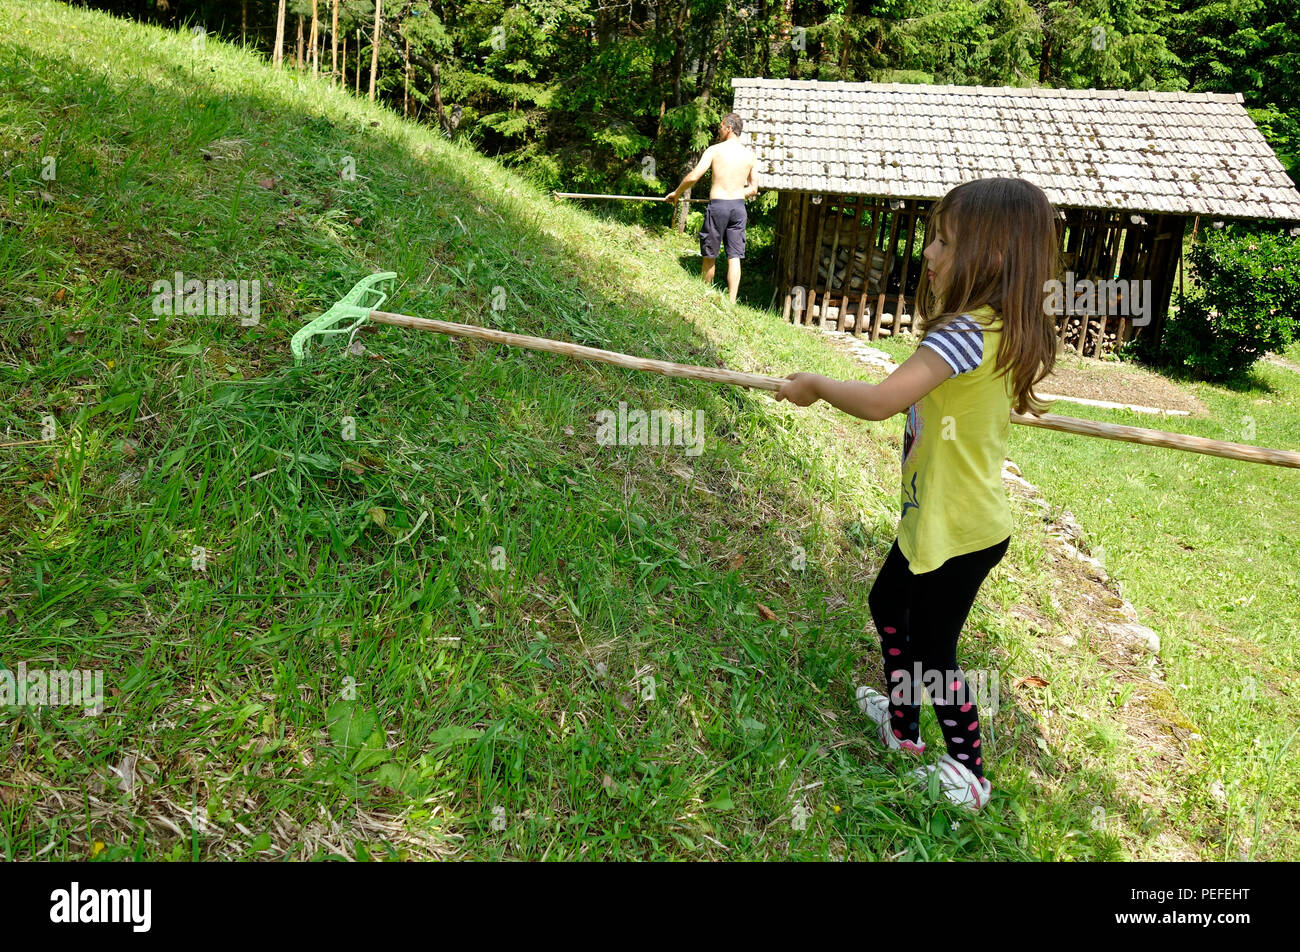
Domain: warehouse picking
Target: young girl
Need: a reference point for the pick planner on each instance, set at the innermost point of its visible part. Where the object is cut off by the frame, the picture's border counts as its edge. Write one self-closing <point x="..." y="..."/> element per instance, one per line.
<point x="986" y="340"/>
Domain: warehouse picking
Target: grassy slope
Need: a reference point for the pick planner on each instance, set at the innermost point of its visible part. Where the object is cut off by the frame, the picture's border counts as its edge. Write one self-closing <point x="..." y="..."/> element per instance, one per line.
<point x="478" y="697"/>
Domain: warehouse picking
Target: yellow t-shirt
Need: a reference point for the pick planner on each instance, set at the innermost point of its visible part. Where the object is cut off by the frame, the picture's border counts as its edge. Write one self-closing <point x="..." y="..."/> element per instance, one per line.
<point x="953" y="446"/>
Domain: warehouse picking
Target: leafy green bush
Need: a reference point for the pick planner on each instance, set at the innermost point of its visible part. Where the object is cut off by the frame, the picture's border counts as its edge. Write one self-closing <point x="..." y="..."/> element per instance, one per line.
<point x="1247" y="303"/>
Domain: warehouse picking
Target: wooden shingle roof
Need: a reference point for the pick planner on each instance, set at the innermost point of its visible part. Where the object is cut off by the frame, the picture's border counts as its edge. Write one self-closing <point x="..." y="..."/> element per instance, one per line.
<point x="1181" y="153"/>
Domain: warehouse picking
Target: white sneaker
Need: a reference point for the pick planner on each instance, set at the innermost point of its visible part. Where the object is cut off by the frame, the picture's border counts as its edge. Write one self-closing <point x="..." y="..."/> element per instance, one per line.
<point x="876" y="706"/>
<point x="957" y="783"/>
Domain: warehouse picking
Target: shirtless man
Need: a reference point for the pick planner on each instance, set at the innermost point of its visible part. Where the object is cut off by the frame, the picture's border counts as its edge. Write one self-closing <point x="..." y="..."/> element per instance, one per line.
<point x="734" y="180"/>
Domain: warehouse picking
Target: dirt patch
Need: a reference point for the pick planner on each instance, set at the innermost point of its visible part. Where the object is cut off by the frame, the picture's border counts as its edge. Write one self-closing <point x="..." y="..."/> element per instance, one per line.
<point x="1099" y="380"/>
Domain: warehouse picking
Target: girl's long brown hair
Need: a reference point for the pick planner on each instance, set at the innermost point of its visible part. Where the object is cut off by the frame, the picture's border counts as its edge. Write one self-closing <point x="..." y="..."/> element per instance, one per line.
<point x="981" y="221"/>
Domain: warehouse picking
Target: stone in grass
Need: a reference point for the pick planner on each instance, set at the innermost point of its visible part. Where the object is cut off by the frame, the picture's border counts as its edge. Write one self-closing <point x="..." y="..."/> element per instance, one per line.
<point x="1135" y="634"/>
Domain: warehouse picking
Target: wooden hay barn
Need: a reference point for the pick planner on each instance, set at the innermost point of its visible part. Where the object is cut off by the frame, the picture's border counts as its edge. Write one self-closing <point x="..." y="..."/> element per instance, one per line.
<point x="858" y="166"/>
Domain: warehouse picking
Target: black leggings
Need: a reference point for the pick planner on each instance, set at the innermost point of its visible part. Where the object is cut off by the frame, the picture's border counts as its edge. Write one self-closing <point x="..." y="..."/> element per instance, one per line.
<point x="919" y="618"/>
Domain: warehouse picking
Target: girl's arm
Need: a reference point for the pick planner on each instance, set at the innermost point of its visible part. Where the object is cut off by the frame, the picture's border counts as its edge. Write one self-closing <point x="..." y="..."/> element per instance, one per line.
<point x="918" y="375"/>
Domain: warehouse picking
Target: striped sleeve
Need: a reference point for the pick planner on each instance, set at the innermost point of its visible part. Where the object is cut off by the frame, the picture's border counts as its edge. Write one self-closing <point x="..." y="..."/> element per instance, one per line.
<point x="960" y="344"/>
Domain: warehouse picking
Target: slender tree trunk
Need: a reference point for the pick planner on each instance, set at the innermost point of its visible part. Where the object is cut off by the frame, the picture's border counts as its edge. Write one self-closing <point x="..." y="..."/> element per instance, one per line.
<point x="437" y="99"/>
<point x="243" y="21"/>
<point x="334" y="44"/>
<point x="791" y="52"/>
<point x="279" y="36"/>
<point x="711" y="70"/>
<point x="765" y="53"/>
<point x="406" y="79"/>
<point x="343" y="63"/>
<point x="679" y="51"/>
<point x="358" y="90"/>
<point x="844" y="38"/>
<point x="374" y="50"/>
<point x="298" y="60"/>
<point x="315" y="36"/>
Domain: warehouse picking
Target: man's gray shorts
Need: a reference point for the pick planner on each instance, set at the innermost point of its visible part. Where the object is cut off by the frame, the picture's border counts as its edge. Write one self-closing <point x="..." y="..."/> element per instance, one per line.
<point x="724" y="223"/>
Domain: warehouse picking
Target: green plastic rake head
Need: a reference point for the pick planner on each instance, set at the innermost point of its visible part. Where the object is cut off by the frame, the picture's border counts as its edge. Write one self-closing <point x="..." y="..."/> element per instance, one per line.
<point x="354" y="307"/>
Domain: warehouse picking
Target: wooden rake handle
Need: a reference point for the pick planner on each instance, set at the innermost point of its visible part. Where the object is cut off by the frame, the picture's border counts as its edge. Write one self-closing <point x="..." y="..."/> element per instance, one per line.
<point x="1106" y="431"/>
<point x="618" y="198"/>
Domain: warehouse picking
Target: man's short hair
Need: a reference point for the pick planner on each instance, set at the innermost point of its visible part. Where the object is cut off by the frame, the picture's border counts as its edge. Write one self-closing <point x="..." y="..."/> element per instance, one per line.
<point x="732" y="121"/>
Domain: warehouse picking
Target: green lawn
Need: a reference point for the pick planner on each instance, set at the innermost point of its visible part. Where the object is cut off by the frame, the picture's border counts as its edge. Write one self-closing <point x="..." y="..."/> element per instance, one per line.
<point x="404" y="605"/>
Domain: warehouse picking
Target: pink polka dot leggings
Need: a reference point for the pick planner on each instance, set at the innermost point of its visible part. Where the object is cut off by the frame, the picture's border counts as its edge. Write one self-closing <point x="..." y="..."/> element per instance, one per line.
<point x="919" y="618"/>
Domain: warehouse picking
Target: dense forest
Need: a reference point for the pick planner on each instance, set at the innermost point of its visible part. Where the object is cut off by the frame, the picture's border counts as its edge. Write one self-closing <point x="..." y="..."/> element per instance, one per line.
<point x="602" y="94"/>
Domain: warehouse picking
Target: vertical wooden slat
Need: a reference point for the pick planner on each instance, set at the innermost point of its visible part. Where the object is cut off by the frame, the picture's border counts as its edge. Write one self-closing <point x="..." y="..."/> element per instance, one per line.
<point x="838" y="219"/>
<point x="910" y="209"/>
<point x="846" y="287"/>
<point x="812" y="254"/>
<point x="801" y="216"/>
<point x="884" y="275"/>
<point x="876" y="206"/>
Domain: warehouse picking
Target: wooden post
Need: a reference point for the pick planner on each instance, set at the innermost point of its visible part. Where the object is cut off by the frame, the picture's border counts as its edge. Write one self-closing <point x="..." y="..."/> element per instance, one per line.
<point x="279" y="36"/>
<point x="910" y="210"/>
<point x="846" y="288"/>
<point x="797" y="277"/>
<point x="334" y="45"/>
<point x="813" y="251"/>
<point x="830" y="267"/>
<point x="877" y="206"/>
<point x="884" y="275"/>
<point x="374" y="48"/>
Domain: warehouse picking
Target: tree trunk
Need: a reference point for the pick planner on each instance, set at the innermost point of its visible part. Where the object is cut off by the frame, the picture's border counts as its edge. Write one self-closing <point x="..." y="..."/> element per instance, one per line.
<point x="315" y="34"/>
<point x="343" y="62"/>
<point x="844" y="38"/>
<point x="297" y="60"/>
<point x="792" y="54"/>
<point x="766" y="54"/>
<point x="679" y="51"/>
<point x="243" y="21"/>
<point x="279" y="36"/>
<point x="358" y="90"/>
<point x="406" y="79"/>
<point x="437" y="99"/>
<point x="374" y="53"/>
<point x="711" y="70"/>
<point x="334" y="45"/>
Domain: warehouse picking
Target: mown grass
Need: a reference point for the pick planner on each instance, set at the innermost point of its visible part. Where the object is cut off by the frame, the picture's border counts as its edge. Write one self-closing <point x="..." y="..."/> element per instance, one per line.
<point x="466" y="629"/>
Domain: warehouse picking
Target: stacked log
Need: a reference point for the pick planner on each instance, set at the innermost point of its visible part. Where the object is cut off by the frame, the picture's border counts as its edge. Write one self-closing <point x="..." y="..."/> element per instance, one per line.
<point x="833" y="266"/>
<point x="888" y="324"/>
<point x="1073" y="326"/>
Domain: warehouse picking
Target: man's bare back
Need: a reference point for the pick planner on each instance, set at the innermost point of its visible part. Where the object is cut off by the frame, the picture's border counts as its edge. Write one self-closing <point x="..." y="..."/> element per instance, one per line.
<point x="732" y="165"/>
